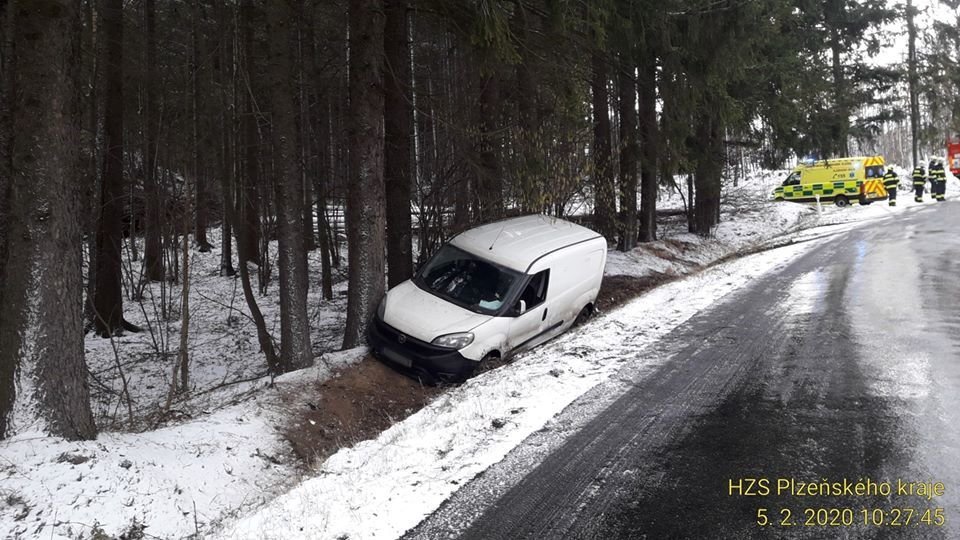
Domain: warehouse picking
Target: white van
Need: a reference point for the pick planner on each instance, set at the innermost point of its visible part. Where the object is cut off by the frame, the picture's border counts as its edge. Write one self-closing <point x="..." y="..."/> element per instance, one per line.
<point x="490" y="292"/>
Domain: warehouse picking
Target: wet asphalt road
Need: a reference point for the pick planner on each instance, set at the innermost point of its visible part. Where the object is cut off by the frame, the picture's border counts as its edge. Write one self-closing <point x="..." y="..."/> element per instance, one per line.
<point x="843" y="366"/>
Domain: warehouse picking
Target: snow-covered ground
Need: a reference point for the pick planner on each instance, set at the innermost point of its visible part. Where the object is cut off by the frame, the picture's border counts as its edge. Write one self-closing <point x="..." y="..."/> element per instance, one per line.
<point x="219" y="456"/>
<point x="224" y="351"/>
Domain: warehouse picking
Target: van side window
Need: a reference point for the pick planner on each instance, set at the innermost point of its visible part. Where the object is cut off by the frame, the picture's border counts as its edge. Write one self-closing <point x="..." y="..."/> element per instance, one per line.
<point x="536" y="290"/>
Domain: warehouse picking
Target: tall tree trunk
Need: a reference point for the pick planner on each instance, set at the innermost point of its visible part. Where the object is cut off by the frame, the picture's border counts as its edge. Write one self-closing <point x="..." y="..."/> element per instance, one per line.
<point x="628" y="154"/>
<point x="709" y="168"/>
<point x="647" y="84"/>
<point x="91" y="173"/>
<point x="8" y="363"/>
<point x="153" y="249"/>
<point x="323" y="173"/>
<point x="398" y="125"/>
<point x="323" y="180"/>
<point x="227" y="113"/>
<point x="531" y="186"/>
<point x="200" y="188"/>
<point x="108" y="299"/>
<point x="295" y="350"/>
<point x="835" y="11"/>
<point x="604" y="211"/>
<point x="41" y="316"/>
<point x="182" y="385"/>
<point x="365" y="192"/>
<point x="304" y="140"/>
<point x="250" y="194"/>
<point x="912" y="82"/>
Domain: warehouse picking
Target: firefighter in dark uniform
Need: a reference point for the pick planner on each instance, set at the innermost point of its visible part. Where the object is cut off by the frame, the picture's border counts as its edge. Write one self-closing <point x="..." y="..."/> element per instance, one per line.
<point x="919" y="179"/>
<point x="890" y="181"/>
<point x="939" y="180"/>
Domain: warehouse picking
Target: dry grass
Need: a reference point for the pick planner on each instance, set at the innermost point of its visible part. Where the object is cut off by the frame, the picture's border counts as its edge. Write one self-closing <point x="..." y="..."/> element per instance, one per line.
<point x="617" y="290"/>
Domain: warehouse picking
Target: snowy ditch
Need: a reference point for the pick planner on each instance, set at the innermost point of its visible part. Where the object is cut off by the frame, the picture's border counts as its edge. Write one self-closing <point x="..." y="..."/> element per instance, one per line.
<point x="383" y="487"/>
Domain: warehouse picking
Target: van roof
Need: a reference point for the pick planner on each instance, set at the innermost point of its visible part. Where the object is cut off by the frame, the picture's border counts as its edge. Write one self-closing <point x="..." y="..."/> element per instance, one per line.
<point x="517" y="242"/>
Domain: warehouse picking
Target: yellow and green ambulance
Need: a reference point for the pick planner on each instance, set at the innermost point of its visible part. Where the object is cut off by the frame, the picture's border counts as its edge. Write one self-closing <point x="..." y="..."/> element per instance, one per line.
<point x="842" y="181"/>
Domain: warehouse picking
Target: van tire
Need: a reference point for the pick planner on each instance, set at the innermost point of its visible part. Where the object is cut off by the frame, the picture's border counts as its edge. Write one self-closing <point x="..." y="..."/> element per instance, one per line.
<point x="584" y="315"/>
<point x="492" y="360"/>
<point x="841" y="201"/>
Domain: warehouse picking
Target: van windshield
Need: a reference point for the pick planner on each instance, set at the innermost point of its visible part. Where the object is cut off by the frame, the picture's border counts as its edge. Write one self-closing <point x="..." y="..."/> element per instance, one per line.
<point x="467" y="280"/>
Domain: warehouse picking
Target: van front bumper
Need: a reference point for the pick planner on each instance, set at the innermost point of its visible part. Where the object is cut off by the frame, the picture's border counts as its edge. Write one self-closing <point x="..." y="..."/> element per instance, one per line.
<point x="415" y="357"/>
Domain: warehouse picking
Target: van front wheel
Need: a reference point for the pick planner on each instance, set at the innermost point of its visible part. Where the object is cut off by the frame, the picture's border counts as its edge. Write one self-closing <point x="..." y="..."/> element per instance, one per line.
<point x="841" y="201"/>
<point x="584" y="315"/>
<point x="491" y="360"/>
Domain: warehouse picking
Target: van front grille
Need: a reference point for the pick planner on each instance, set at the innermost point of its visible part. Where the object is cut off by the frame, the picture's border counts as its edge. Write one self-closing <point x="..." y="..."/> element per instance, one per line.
<point x="410" y="343"/>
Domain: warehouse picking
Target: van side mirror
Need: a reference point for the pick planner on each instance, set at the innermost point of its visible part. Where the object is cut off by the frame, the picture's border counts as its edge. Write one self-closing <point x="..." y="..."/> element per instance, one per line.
<point x="522" y="307"/>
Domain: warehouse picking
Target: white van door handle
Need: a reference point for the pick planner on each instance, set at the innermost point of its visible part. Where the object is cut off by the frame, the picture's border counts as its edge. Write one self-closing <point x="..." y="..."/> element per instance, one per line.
<point x="544" y="315"/>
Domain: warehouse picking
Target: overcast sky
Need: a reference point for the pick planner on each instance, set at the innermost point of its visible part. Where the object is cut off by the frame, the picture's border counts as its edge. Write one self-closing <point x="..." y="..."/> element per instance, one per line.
<point x="930" y="10"/>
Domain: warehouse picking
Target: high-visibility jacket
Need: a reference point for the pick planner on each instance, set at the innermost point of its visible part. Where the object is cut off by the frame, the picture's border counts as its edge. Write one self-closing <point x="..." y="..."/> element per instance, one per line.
<point x="890" y="180"/>
<point x="919" y="176"/>
<point x="937" y="174"/>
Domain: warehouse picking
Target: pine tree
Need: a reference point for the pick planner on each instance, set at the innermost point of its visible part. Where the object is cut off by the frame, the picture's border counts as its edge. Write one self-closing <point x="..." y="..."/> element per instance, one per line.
<point x="365" y="193"/>
<point x="398" y="137"/>
<point x="108" y="296"/>
<point x="41" y="315"/>
<point x="295" y="350"/>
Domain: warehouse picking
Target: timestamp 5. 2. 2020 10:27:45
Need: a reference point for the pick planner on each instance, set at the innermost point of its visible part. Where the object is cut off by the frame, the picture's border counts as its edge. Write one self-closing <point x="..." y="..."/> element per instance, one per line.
<point x="851" y="517"/>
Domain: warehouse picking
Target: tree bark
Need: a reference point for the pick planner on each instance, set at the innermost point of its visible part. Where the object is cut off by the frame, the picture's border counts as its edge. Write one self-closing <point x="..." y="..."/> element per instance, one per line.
<point x="200" y="188"/>
<point x="604" y="212"/>
<point x="41" y="316"/>
<point x="108" y="299"/>
<point x="183" y="351"/>
<point x="227" y="113"/>
<point x="709" y="169"/>
<point x="398" y="127"/>
<point x="304" y="140"/>
<point x="8" y="363"/>
<point x="323" y="180"/>
<point x="295" y="350"/>
<point x="649" y="141"/>
<point x="628" y="154"/>
<point x="91" y="167"/>
<point x="153" y="248"/>
<point x="249" y="218"/>
<point x="365" y="194"/>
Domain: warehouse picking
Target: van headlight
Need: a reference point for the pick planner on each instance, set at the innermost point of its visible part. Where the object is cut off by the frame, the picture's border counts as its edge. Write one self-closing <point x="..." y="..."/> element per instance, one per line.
<point x="382" y="307"/>
<point x="454" y="341"/>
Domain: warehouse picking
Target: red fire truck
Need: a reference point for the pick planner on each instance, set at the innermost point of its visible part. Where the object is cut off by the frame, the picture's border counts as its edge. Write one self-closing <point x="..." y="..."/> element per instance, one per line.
<point x="953" y="156"/>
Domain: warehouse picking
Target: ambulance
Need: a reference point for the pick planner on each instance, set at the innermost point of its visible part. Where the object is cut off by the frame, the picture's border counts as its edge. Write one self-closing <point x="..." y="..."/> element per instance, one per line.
<point x="841" y="181"/>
